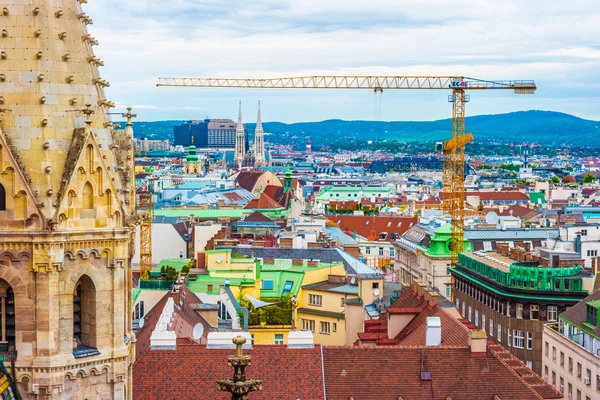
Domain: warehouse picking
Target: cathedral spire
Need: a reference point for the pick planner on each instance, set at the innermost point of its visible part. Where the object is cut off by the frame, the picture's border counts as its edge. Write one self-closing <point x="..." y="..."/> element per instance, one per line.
<point x="259" y="141"/>
<point x="240" y="139"/>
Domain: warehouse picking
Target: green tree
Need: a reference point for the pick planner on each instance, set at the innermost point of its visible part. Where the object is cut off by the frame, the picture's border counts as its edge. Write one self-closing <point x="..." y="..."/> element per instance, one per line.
<point x="555" y="180"/>
<point x="589" y="178"/>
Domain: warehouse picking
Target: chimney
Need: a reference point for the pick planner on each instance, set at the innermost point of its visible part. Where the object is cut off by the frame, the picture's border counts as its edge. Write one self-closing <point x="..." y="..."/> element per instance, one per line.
<point x="420" y="289"/>
<point x="298" y="262"/>
<point x="434" y="331"/>
<point x="432" y="297"/>
<point x="223" y="340"/>
<point x="163" y="337"/>
<point x="300" y="340"/>
<point x="352" y="249"/>
<point x="478" y="341"/>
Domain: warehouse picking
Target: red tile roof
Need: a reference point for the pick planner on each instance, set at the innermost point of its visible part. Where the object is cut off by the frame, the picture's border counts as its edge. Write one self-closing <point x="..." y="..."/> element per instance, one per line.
<point x="363" y="225"/>
<point x="263" y="202"/>
<point x="192" y="371"/>
<point x="248" y="179"/>
<point x="384" y="373"/>
<point x="503" y="195"/>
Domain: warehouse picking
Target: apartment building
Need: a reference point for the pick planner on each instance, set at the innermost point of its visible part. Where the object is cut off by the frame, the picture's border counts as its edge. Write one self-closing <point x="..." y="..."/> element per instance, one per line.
<point x="571" y="358"/>
<point x="511" y="293"/>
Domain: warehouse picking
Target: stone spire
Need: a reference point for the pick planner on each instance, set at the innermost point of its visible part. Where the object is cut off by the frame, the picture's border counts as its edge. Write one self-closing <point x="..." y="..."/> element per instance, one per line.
<point x="51" y="91"/>
<point x="67" y="207"/>
<point x="259" y="143"/>
<point x="240" y="143"/>
<point x="239" y="387"/>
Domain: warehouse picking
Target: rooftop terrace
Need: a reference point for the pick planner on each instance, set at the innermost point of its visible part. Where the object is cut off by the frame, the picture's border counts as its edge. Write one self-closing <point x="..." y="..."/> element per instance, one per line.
<point x="527" y="276"/>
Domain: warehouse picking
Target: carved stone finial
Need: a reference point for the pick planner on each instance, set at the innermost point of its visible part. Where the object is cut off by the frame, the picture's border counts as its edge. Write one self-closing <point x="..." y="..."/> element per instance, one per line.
<point x="239" y="387"/>
<point x="129" y="116"/>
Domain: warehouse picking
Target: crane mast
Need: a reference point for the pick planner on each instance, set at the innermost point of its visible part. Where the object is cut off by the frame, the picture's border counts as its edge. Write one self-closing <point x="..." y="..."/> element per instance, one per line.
<point x="454" y="149"/>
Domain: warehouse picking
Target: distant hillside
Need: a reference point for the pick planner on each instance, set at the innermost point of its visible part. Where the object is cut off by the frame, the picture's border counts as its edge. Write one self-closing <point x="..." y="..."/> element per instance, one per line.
<point x="546" y="127"/>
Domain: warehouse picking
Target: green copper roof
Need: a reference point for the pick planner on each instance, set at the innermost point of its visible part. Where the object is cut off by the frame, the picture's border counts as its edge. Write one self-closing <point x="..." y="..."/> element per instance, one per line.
<point x="513" y="295"/>
<point x="527" y="277"/>
<point x="440" y="242"/>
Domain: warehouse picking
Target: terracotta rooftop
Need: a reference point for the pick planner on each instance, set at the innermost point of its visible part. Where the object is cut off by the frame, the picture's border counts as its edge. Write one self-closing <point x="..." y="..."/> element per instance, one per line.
<point x="391" y="373"/>
<point x="263" y="202"/>
<point x="191" y="372"/>
<point x="363" y="225"/>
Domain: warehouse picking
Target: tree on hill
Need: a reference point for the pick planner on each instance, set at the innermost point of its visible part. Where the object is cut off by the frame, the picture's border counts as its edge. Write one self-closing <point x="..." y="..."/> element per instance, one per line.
<point x="589" y="178"/>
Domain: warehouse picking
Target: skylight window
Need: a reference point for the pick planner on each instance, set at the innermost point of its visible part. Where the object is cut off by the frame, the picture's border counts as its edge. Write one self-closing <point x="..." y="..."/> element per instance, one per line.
<point x="399" y="224"/>
<point x="367" y="223"/>
<point x="389" y="224"/>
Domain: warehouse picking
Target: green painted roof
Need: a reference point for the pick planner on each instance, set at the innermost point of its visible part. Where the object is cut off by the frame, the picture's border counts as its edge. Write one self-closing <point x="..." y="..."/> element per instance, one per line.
<point x="201" y="213"/>
<point x="135" y="294"/>
<point x="445" y="229"/>
<point x="200" y="285"/>
<point x="535" y="196"/>
<point x="213" y="214"/>
<point x="595" y="304"/>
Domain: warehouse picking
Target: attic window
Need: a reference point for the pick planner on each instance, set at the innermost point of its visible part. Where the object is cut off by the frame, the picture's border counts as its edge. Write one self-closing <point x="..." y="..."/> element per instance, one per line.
<point x="389" y="224"/>
<point x="367" y="223"/>
<point x="411" y="224"/>
<point x="399" y="224"/>
<point x="425" y="376"/>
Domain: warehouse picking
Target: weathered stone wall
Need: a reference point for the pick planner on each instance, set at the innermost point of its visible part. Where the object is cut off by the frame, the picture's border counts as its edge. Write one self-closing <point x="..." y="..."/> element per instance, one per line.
<point x="70" y="205"/>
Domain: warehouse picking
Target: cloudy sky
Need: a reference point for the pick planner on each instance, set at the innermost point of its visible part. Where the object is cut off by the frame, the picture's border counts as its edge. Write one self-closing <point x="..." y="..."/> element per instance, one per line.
<point x="554" y="42"/>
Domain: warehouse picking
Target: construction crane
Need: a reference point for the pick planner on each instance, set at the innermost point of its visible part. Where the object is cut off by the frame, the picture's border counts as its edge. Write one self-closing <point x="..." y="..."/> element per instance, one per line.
<point x="453" y="150"/>
<point x="146" y="207"/>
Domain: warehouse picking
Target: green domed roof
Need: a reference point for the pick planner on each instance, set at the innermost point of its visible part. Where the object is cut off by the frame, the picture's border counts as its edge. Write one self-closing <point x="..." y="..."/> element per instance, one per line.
<point x="192" y="156"/>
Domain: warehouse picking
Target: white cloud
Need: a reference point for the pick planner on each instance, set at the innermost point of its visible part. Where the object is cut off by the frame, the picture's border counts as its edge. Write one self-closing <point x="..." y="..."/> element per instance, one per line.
<point x="550" y="41"/>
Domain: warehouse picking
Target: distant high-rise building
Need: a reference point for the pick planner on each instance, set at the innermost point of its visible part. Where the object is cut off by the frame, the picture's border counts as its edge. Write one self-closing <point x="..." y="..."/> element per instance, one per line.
<point x="210" y="133"/>
<point x="259" y="141"/>
<point x="240" y="139"/>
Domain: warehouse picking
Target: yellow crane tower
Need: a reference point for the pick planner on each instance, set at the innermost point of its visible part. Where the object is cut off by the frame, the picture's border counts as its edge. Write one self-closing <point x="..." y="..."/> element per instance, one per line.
<point x="453" y="150"/>
<point x="146" y="206"/>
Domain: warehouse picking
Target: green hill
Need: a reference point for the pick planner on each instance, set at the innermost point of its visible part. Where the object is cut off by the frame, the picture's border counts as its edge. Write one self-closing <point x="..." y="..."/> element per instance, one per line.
<point x="546" y="127"/>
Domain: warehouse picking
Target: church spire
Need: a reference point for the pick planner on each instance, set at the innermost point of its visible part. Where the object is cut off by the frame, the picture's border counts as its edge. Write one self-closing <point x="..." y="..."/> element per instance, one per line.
<point x="240" y="142"/>
<point x="259" y="141"/>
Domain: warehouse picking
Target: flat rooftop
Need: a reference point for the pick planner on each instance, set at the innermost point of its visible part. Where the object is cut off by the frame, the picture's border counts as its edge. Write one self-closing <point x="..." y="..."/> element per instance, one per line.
<point x="493" y="259"/>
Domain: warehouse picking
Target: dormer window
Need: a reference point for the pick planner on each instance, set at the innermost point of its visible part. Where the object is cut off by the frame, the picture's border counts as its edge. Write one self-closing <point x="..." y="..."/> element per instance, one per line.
<point x="592" y="314"/>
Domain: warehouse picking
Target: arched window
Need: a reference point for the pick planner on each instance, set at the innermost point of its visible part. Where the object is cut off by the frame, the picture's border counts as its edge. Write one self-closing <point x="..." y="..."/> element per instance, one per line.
<point x="84" y="318"/>
<point x="88" y="196"/>
<point x="7" y="316"/>
<point x="2" y="198"/>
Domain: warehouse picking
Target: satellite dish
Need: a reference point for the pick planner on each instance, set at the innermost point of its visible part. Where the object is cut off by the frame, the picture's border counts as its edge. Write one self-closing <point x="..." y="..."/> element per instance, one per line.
<point x="352" y="280"/>
<point x="198" y="331"/>
<point x="376" y="291"/>
<point x="491" y="218"/>
<point x="141" y="322"/>
<point x="219" y="259"/>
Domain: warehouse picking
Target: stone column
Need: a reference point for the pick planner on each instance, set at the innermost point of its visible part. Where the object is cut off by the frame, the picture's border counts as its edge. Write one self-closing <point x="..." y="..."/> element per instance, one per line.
<point x="3" y="317"/>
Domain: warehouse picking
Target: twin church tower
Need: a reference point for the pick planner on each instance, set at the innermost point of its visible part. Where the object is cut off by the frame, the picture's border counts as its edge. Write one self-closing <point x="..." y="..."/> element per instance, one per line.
<point x="240" y="140"/>
<point x="67" y="210"/>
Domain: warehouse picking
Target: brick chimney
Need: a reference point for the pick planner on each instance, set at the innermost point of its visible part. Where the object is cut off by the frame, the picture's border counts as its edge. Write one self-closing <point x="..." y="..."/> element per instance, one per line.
<point x="298" y="262"/>
<point x="478" y="342"/>
<point x="432" y="297"/>
<point x="352" y="249"/>
<point x="286" y="242"/>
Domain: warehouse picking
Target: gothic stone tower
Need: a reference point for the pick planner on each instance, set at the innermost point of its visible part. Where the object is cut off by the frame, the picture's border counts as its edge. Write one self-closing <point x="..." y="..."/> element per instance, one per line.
<point x="67" y="203"/>
<point x="240" y="140"/>
<point x="259" y="140"/>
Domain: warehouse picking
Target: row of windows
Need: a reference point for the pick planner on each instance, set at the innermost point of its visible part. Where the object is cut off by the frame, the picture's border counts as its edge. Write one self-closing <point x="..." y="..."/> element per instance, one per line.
<point x="325" y="328"/>
<point x="516" y="338"/>
<point x="561" y="383"/>
<point x="381" y="251"/>
<point x="315" y="300"/>
<point x="504" y="307"/>
<point x="561" y="361"/>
